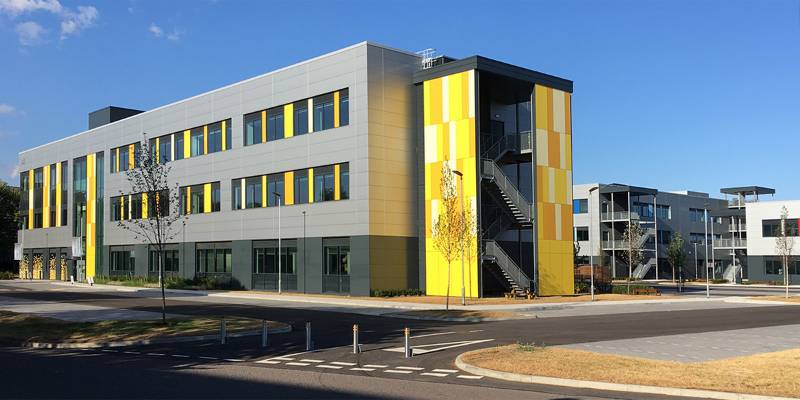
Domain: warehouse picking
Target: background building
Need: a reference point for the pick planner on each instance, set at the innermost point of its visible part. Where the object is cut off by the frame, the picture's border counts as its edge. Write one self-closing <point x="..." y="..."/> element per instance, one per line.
<point x="351" y="142"/>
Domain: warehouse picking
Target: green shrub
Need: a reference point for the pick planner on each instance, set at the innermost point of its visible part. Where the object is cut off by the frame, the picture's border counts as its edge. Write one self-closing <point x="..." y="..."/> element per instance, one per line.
<point x="5" y="275"/>
<point x="172" y="282"/>
<point x="719" y="281"/>
<point x="396" y="292"/>
<point x="526" y="347"/>
<point x="623" y="288"/>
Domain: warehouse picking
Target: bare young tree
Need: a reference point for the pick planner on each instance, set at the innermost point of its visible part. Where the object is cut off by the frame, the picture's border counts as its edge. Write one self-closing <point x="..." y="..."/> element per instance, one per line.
<point x="784" y="244"/>
<point x="470" y="234"/>
<point x="675" y="254"/>
<point x="632" y="237"/>
<point x="161" y="220"/>
<point x="447" y="228"/>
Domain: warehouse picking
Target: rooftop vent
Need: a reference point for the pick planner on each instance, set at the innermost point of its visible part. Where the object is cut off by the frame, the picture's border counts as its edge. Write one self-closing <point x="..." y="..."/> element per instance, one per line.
<point x="107" y="115"/>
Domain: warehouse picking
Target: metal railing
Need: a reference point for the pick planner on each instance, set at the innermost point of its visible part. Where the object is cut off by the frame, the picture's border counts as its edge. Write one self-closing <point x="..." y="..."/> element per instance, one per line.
<point x="336" y="283"/>
<point x="507" y="264"/>
<point x="620" y="216"/>
<point x="491" y="170"/>
<point x="737" y="227"/>
<point x="269" y="281"/>
<point x="730" y="243"/>
<point x="520" y="143"/>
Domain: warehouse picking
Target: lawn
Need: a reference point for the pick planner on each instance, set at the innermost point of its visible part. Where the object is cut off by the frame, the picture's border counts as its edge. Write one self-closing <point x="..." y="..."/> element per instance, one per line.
<point x="16" y="328"/>
<point x="774" y="374"/>
<point x="791" y="299"/>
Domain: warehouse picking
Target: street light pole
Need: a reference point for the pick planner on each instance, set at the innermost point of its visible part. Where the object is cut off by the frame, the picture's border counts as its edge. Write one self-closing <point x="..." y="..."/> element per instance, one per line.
<point x="304" y="251"/>
<point x="463" y="218"/>
<point x="591" y="242"/>
<point x="696" y="269"/>
<point x="705" y="242"/>
<point x="278" y="198"/>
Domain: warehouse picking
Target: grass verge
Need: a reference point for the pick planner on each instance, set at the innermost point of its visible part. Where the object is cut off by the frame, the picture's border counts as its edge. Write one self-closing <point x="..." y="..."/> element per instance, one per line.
<point x="772" y="374"/>
<point x="17" y="329"/>
<point x="791" y="299"/>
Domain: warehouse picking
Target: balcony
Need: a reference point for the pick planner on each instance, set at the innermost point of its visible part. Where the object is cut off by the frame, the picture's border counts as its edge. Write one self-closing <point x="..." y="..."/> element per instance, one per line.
<point x="730" y="243"/>
<point x="737" y="227"/>
<point x="623" y="216"/>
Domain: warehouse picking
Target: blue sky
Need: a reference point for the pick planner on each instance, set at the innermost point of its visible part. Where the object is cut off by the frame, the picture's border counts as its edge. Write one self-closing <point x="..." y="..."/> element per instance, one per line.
<point x="674" y="95"/>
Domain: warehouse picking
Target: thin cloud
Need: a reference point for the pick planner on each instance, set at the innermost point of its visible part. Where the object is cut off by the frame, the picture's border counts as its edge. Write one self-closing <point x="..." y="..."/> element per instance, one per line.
<point x="76" y="21"/>
<point x="175" y="35"/>
<point x="30" y="33"/>
<point x="17" y="7"/>
<point x="6" y="108"/>
<point x="156" y="30"/>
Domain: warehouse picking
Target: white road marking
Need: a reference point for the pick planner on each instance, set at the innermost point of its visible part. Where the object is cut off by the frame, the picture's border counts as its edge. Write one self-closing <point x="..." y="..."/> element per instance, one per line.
<point x="328" y="366"/>
<point x="362" y="369"/>
<point x="131" y="352"/>
<point x="282" y="358"/>
<point x="469" y="377"/>
<point x="430" y="348"/>
<point x="411" y="368"/>
<point x="298" y="364"/>
<point x="432" y="334"/>
<point x="476" y="330"/>
<point x="376" y="366"/>
<point x="436" y="374"/>
<point x="268" y="362"/>
<point x="312" y="361"/>
<point x="394" y="371"/>
<point x="234" y="359"/>
<point x="346" y="364"/>
<point x="208" y="358"/>
<point x="447" y="371"/>
<point x="156" y="354"/>
<point x="179" y="355"/>
<point x="109" y="351"/>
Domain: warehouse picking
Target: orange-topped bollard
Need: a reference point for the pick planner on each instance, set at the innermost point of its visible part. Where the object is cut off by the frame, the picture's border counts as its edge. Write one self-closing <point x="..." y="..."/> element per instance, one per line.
<point x="407" y="346"/>
<point x="355" y="339"/>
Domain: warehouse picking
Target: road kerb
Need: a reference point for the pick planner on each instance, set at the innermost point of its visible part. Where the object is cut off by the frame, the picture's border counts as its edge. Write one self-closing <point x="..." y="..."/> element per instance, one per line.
<point x="125" y="343"/>
<point x="615" y="387"/>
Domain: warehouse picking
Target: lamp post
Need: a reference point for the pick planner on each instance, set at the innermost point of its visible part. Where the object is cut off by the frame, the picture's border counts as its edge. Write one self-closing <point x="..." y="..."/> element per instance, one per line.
<point x="705" y="242"/>
<point x="696" y="268"/>
<point x="304" y="251"/>
<point x="278" y="199"/>
<point x="591" y="243"/>
<point x="461" y="180"/>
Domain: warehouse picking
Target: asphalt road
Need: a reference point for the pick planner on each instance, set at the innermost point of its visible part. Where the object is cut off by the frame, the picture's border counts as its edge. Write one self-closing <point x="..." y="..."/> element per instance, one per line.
<point x="177" y="367"/>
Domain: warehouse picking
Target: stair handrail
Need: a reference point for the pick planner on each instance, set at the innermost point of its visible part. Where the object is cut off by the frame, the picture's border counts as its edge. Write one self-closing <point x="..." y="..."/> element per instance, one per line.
<point x="507" y="264"/>
<point x="491" y="169"/>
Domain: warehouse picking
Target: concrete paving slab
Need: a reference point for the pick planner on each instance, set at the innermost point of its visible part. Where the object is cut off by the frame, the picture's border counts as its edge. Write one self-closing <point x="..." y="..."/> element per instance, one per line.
<point x="698" y="347"/>
<point x="73" y="312"/>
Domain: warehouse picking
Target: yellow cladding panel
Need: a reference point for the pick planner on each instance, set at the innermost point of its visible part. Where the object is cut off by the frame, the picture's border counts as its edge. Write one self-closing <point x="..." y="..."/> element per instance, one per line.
<point x="187" y="147"/>
<point x="264" y="126"/>
<point x="288" y="120"/>
<point x="310" y="109"/>
<point x="263" y="190"/>
<point x="131" y="155"/>
<point x="288" y="184"/>
<point x="207" y="198"/>
<point x="91" y="217"/>
<point x="205" y="139"/>
<point x="310" y="186"/>
<point x="336" y="109"/>
<point x="188" y="200"/>
<point x="116" y="163"/>
<point x="30" y="199"/>
<point x="46" y="196"/>
<point x="58" y="194"/>
<point x="122" y="214"/>
<point x="224" y="138"/>
<point x="144" y="206"/>
<point x="158" y="141"/>
<point x="336" y="184"/>
<point x="449" y="126"/>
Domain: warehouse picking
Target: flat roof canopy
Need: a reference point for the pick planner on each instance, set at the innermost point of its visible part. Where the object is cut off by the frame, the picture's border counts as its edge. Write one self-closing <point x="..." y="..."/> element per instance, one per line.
<point x="618" y="187"/>
<point x="747" y="190"/>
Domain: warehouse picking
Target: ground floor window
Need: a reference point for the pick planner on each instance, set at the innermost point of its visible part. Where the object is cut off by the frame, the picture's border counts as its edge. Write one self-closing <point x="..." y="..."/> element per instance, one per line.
<point x="169" y="260"/>
<point x="337" y="260"/>
<point x="122" y="260"/>
<point x="336" y="256"/>
<point x="265" y="260"/>
<point x="214" y="258"/>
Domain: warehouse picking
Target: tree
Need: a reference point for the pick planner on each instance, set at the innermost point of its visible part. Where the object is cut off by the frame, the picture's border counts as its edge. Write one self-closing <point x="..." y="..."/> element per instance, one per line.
<point x="576" y="248"/>
<point x="160" y="203"/>
<point x="784" y="244"/>
<point x="470" y="234"/>
<point x="9" y="223"/>
<point x="675" y="254"/>
<point x="632" y="237"/>
<point x="447" y="228"/>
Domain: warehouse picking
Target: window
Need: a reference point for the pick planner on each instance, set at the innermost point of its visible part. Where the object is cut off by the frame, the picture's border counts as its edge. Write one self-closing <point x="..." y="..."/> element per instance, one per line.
<point x="580" y="206"/>
<point x="773" y="266"/>
<point x="215" y="197"/>
<point x="645" y="210"/>
<point x="122" y="260"/>
<point x="158" y="204"/>
<point x="165" y="149"/>
<point x="697" y="215"/>
<point x="197" y="146"/>
<point x="123" y="159"/>
<point x="38" y="184"/>
<point x="344" y="107"/>
<point x="214" y="259"/>
<point x="274" y="185"/>
<point x="169" y="261"/>
<point x="236" y="194"/>
<point x="135" y="206"/>
<point x="323" y="112"/>
<point x="664" y="236"/>
<point x="179" y="146"/>
<point x="324" y="184"/>
<point x="52" y="195"/>
<point x="275" y="124"/>
<point x="301" y="186"/>
<point x="198" y="194"/>
<point x="214" y="137"/>
<point x="253" y="191"/>
<point x="772" y="227"/>
<point x="582" y="233"/>
<point x="116" y="208"/>
<point x="344" y="181"/>
<point x="79" y="196"/>
<point x="300" y="117"/>
<point x="265" y="260"/>
<point x="64" y="184"/>
<point x="252" y="128"/>
<point x="696" y="238"/>
<point x="337" y="260"/>
<point x="663" y="211"/>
